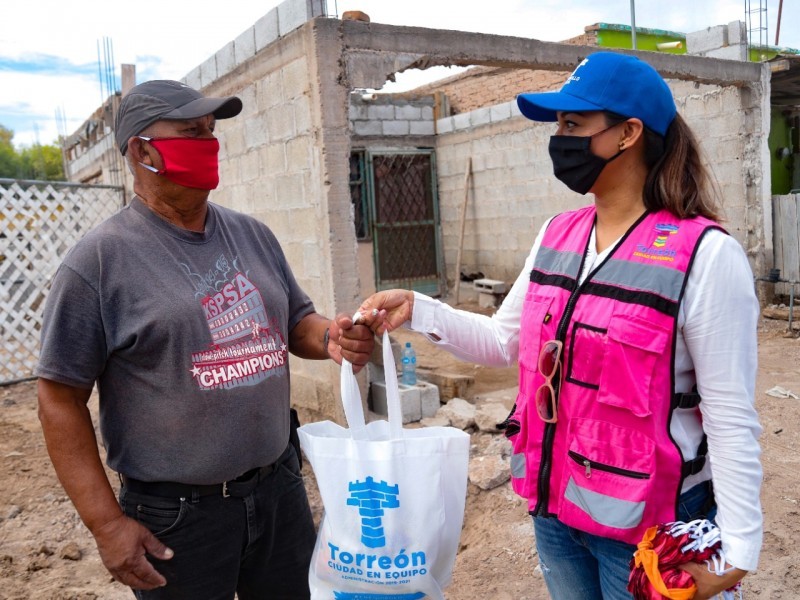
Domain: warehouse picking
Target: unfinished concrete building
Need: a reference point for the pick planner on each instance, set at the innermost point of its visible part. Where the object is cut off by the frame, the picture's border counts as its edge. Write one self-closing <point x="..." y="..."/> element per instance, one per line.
<point x="365" y="191"/>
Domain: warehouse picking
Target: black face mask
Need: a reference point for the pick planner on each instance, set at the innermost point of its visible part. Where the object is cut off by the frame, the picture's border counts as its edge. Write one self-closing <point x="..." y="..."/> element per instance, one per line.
<point x="574" y="164"/>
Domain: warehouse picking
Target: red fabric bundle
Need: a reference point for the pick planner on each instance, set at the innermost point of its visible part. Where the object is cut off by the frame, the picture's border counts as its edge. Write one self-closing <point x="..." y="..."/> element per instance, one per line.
<point x="654" y="567"/>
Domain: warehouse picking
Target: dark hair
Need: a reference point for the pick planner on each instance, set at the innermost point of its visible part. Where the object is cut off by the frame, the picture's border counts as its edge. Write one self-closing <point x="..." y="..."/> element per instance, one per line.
<point x="677" y="180"/>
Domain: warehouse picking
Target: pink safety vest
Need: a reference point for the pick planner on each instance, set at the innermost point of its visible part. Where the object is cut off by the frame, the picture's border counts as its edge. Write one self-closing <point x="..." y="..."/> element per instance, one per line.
<point x="608" y="466"/>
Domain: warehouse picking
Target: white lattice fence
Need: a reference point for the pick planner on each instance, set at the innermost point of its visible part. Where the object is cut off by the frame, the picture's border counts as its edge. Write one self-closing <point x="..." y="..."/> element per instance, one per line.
<point x="39" y="222"/>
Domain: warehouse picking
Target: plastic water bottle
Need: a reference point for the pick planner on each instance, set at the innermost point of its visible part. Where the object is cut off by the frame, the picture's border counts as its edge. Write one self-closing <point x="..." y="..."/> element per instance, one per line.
<point x="409" y="376"/>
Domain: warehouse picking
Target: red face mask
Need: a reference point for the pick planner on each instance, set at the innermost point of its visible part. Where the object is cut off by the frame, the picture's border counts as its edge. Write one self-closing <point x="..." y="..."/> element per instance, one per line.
<point x="190" y="162"/>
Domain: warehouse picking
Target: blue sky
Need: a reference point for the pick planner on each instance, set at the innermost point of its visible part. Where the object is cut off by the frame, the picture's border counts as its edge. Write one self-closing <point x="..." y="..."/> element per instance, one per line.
<point x="49" y="48"/>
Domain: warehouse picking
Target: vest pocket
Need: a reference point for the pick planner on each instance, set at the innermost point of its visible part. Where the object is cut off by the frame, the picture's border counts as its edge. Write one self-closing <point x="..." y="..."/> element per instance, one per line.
<point x="526" y="447"/>
<point x="607" y="477"/>
<point x="633" y="347"/>
<point x="534" y="317"/>
<point x="585" y="362"/>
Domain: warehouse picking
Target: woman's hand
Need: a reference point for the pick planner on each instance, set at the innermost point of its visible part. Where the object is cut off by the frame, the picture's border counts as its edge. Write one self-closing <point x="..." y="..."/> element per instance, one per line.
<point x="710" y="584"/>
<point x="387" y="310"/>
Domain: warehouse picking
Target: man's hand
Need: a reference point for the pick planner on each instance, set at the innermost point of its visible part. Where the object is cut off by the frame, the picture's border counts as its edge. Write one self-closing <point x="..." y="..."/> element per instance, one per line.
<point x="710" y="584"/>
<point x="351" y="341"/>
<point x="387" y="310"/>
<point x="122" y="544"/>
<point x="71" y="442"/>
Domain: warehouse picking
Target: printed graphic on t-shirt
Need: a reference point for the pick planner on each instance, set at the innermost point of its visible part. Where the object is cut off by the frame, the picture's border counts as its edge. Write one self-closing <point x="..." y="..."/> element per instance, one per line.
<point x="247" y="346"/>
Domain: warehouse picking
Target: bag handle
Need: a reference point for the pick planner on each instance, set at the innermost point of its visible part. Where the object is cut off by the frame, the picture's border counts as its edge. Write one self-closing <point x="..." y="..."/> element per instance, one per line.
<point x="392" y="389"/>
<point x="351" y="402"/>
<point x="351" y="396"/>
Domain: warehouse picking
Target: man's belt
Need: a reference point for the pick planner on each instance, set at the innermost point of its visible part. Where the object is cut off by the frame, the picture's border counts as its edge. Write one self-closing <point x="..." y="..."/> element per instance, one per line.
<point x="237" y="488"/>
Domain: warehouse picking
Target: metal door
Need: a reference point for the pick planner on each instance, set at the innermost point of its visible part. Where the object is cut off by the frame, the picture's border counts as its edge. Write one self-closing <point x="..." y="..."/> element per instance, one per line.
<point x="406" y="235"/>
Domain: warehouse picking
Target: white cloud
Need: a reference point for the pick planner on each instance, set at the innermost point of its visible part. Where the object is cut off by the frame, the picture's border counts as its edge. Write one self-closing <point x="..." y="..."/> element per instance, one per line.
<point x="34" y="113"/>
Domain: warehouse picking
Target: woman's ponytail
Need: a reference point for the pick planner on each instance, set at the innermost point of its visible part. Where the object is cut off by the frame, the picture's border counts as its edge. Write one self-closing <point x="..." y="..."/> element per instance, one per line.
<point x="677" y="180"/>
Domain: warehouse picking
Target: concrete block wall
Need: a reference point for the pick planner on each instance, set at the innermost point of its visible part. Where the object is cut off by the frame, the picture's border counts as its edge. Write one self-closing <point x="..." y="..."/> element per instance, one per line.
<point x="385" y="115"/>
<point x="105" y="151"/>
<point x="272" y="167"/>
<point x="513" y="190"/>
<point x="269" y="165"/>
<point x="731" y="129"/>
<point x="714" y="115"/>
<point x="707" y="39"/>
<point x="280" y="21"/>
<point x="92" y="153"/>
<point x="722" y="41"/>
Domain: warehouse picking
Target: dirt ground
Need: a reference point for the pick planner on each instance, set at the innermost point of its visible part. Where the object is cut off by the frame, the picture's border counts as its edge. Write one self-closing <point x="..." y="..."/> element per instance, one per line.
<point x="47" y="554"/>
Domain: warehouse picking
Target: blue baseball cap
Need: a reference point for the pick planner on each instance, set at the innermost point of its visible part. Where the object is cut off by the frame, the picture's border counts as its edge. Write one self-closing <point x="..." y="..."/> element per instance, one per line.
<point x="612" y="82"/>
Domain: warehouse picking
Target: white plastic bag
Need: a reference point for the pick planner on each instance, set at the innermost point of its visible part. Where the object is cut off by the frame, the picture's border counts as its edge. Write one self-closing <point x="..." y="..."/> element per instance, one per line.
<point x="394" y="500"/>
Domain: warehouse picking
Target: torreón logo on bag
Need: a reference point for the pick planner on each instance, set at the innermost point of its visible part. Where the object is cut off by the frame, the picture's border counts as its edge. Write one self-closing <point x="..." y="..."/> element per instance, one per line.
<point x="373" y="498"/>
<point x="394" y="504"/>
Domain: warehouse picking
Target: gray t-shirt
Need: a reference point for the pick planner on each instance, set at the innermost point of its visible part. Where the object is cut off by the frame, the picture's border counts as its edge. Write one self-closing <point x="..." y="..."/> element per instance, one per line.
<point x="186" y="335"/>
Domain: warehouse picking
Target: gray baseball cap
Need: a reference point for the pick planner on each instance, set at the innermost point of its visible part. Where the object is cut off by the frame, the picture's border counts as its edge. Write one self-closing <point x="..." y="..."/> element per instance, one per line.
<point x="152" y="101"/>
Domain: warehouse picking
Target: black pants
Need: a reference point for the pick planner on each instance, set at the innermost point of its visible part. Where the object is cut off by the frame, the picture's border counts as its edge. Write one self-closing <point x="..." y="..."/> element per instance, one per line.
<point x="258" y="546"/>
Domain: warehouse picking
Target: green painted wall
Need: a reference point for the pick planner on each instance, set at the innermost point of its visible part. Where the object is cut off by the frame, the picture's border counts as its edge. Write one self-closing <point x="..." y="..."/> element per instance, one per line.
<point x="766" y="53"/>
<point x="619" y="36"/>
<point x="781" y="168"/>
<point x="611" y="35"/>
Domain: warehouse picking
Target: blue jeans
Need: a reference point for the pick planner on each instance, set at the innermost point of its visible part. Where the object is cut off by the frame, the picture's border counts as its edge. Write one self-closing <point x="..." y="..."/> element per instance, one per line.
<point x="581" y="566"/>
<point x="258" y="546"/>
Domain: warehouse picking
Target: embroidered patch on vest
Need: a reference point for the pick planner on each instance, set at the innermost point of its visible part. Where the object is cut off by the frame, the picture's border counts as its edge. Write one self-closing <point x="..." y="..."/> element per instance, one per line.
<point x="658" y="249"/>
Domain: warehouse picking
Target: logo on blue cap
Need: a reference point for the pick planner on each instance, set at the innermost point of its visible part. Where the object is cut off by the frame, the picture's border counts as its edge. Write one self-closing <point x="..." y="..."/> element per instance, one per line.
<point x="575" y="77"/>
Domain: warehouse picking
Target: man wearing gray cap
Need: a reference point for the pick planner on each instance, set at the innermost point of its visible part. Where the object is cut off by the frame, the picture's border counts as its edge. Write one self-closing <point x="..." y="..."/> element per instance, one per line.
<point x="183" y="313"/>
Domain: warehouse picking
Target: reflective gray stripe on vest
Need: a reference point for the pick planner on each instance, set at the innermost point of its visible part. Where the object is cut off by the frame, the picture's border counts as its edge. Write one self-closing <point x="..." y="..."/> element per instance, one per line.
<point x="518" y="466"/>
<point x="659" y="280"/>
<point x="558" y="262"/>
<point x="606" y="510"/>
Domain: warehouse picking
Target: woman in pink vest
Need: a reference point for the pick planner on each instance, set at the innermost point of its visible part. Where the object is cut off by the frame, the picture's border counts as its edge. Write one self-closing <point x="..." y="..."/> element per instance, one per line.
<point x="634" y="326"/>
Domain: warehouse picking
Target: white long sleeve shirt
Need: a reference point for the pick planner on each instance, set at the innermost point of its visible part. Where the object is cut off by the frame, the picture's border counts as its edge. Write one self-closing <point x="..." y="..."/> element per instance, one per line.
<point x="716" y="349"/>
